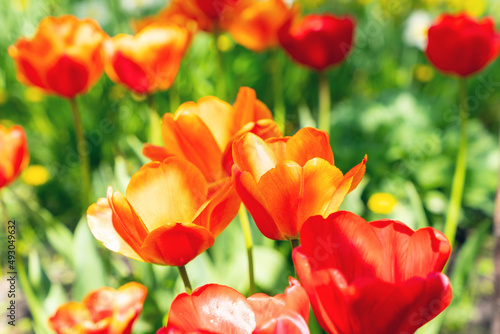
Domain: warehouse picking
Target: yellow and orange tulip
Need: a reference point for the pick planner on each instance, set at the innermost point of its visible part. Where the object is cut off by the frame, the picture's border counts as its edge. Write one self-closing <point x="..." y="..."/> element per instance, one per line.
<point x="170" y="213"/>
<point x="148" y="61"/>
<point x="63" y="58"/>
<point x="284" y="181"/>
<point x="104" y="311"/>
<point x="203" y="132"/>
<point x="255" y="24"/>
<point x="14" y="155"/>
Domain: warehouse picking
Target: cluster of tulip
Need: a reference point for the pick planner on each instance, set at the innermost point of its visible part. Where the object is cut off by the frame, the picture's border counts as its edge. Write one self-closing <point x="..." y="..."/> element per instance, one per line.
<point x="359" y="277"/>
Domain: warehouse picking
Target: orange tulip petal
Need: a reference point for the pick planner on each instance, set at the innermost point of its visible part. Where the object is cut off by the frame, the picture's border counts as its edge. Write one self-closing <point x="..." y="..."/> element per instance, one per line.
<point x="356" y="173"/>
<point x="155" y="153"/>
<point x="14" y="153"/>
<point x="309" y="143"/>
<point x="167" y="192"/>
<point x="129" y="301"/>
<point x="100" y="220"/>
<point x="256" y="204"/>
<point x="253" y="155"/>
<point x="282" y="188"/>
<point x="248" y="109"/>
<point x="176" y="244"/>
<point x="220" y="209"/>
<point x="68" y="316"/>
<point x="130" y="73"/>
<point x="100" y="303"/>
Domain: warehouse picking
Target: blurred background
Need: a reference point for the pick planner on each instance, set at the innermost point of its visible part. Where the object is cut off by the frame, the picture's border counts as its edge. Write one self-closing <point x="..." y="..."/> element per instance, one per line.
<point x="387" y="103"/>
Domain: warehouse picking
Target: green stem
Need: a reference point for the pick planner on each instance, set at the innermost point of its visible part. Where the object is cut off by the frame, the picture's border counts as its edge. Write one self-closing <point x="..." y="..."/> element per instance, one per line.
<point x="220" y="77"/>
<point x="324" y="102"/>
<point x="294" y="243"/>
<point x="279" y="102"/>
<point x="175" y="101"/>
<point x="154" y="122"/>
<point x="452" y="215"/>
<point x="83" y="152"/>
<point x="247" y="232"/>
<point x="185" y="279"/>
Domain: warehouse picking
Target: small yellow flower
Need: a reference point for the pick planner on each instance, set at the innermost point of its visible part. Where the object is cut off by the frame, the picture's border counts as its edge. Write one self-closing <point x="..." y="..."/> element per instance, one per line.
<point x="35" y="175"/>
<point x="224" y="43"/>
<point x="21" y="5"/>
<point x="138" y="97"/>
<point x="423" y="73"/>
<point x="382" y="203"/>
<point x="33" y="94"/>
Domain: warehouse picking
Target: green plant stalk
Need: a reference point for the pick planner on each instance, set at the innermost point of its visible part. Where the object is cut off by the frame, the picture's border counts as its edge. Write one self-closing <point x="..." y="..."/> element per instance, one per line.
<point x="154" y="122"/>
<point x="324" y="102"/>
<point x="83" y="153"/>
<point x="220" y="77"/>
<point x="496" y="261"/>
<point x="175" y="100"/>
<point x="294" y="243"/>
<point x="247" y="232"/>
<point x="457" y="189"/>
<point x="185" y="279"/>
<point x="279" y="102"/>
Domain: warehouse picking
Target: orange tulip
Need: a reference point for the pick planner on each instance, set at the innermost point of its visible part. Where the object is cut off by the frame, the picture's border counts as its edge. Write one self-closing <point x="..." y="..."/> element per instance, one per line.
<point x="63" y="58"/>
<point x="14" y="155"/>
<point x="255" y="25"/>
<point x="103" y="311"/>
<point x="203" y="132"/>
<point x="148" y="61"/>
<point x="170" y="213"/>
<point x="284" y="181"/>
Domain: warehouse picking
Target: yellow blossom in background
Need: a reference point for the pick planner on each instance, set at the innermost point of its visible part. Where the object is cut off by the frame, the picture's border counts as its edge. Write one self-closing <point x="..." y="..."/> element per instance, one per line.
<point x="3" y="96"/>
<point x="117" y="92"/>
<point x="20" y="5"/>
<point x="138" y="97"/>
<point x="423" y="73"/>
<point x="33" y="94"/>
<point x="224" y="43"/>
<point x="472" y="7"/>
<point x="382" y="203"/>
<point x="35" y="175"/>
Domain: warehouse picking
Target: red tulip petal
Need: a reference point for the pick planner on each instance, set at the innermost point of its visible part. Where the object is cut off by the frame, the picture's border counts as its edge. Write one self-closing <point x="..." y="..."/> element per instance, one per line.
<point x="256" y="204"/>
<point x="100" y="303"/>
<point x="287" y="322"/>
<point x="253" y="155"/>
<point x="100" y="220"/>
<point x="167" y="192"/>
<point x="296" y="299"/>
<point x="309" y="143"/>
<point x="68" y="316"/>
<point x="68" y="77"/>
<point x="266" y="307"/>
<point x="176" y="244"/>
<point x="213" y="308"/>
<point x="129" y="301"/>
<point x="130" y="73"/>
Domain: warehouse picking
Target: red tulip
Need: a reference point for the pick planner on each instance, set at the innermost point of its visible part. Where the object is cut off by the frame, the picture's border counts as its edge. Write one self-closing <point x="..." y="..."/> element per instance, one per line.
<point x="378" y="277"/>
<point x="460" y="45"/>
<point x="63" y="58"/>
<point x="203" y="132"/>
<point x="220" y="309"/>
<point x="170" y="214"/>
<point x="318" y="41"/>
<point x="103" y="311"/>
<point x="14" y="155"/>
<point x="284" y="181"/>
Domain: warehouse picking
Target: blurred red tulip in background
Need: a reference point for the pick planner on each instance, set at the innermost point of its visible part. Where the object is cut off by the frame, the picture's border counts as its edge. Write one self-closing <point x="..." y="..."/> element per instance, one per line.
<point x="14" y="154"/>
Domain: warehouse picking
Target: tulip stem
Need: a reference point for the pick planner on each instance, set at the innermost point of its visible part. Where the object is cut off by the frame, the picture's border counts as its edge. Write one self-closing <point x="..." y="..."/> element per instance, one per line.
<point x="174" y="98"/>
<point x="324" y="102"/>
<point x="245" y="226"/>
<point x="185" y="279"/>
<point x="452" y="215"/>
<point x="279" y="102"/>
<point x="83" y="152"/>
<point x="295" y="243"/>
<point x="220" y="78"/>
<point x="154" y="122"/>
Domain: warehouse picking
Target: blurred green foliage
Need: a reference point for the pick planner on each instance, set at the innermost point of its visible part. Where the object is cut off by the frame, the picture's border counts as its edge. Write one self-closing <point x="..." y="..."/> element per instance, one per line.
<point x="387" y="103"/>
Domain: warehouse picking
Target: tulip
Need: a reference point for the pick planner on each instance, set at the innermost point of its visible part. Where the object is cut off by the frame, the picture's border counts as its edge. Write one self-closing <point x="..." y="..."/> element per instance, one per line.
<point x="169" y="215"/>
<point x="216" y="308"/>
<point x="203" y="132"/>
<point x="148" y="61"/>
<point x="461" y="45"/>
<point x="63" y="58"/>
<point x="105" y="311"/>
<point x="284" y="181"/>
<point x="378" y="277"/>
<point x="255" y="24"/>
<point x="14" y="155"/>
<point x="318" y="41"/>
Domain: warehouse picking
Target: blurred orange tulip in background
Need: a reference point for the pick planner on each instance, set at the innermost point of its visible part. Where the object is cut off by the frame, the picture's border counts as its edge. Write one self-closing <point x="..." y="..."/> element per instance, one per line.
<point x="203" y="132"/>
<point x="63" y="58"/>
<point x="148" y="61"/>
<point x="284" y="181"/>
<point x="105" y="310"/>
<point x="14" y="154"/>
<point x="170" y="214"/>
